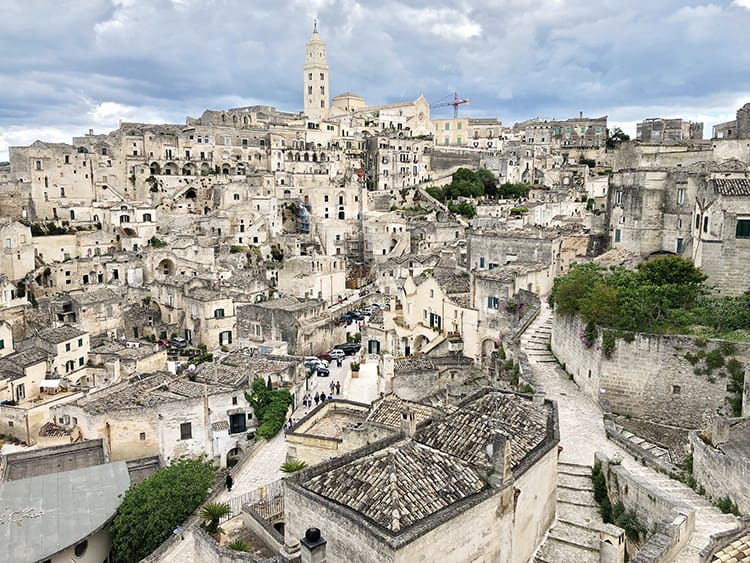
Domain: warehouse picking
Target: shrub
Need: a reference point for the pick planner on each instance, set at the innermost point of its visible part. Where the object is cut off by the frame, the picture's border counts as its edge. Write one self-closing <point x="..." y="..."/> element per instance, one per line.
<point x="152" y="509"/>
<point x="270" y="407"/>
<point x="211" y="513"/>
<point x="239" y="545"/>
<point x="293" y="465"/>
<point x="355" y="366"/>
<point x="727" y="506"/>
<point x="608" y="343"/>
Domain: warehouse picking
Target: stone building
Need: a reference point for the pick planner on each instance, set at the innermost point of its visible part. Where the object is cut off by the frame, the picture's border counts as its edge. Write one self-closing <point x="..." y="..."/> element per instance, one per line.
<point x="737" y="129"/>
<point x="305" y="325"/>
<point x="17" y="258"/>
<point x="667" y="131"/>
<point x="575" y="133"/>
<point x="721" y="233"/>
<point x="167" y="416"/>
<point x="485" y="473"/>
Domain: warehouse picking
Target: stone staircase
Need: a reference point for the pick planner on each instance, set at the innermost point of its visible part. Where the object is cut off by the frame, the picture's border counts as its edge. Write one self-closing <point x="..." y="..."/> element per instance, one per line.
<point x="657" y="451"/>
<point x="536" y="338"/>
<point x="575" y="536"/>
<point x="708" y="519"/>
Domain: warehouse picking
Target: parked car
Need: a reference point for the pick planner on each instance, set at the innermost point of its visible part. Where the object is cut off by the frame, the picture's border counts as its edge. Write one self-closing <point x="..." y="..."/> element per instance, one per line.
<point x="327" y="357"/>
<point x="368" y="310"/>
<point x="178" y="342"/>
<point x="337" y="353"/>
<point x="350" y="348"/>
<point x="356" y="315"/>
<point x="324" y="372"/>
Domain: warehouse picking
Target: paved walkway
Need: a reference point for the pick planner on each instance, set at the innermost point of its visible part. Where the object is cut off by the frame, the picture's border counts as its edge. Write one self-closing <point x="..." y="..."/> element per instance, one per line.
<point x="582" y="434"/>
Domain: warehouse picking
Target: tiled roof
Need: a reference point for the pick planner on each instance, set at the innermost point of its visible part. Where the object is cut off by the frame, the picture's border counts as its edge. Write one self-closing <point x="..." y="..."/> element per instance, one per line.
<point x="400" y="484"/>
<point x="388" y="411"/>
<point x="732" y="186"/>
<point x="18" y="361"/>
<point x="467" y="432"/>
<point x="60" y="334"/>
<point x="735" y="552"/>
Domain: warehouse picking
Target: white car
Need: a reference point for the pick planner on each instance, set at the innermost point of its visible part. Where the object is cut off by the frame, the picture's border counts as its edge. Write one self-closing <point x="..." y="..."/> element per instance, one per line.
<point x="338" y="354"/>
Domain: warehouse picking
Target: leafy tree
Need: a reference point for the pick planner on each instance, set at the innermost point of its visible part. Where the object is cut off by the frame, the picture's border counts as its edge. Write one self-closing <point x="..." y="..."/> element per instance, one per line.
<point x="437" y="193"/>
<point x="616" y="137"/>
<point x="270" y="407"/>
<point x="489" y="181"/>
<point x="152" y="509"/>
<point x="509" y="190"/>
<point x="464" y="208"/>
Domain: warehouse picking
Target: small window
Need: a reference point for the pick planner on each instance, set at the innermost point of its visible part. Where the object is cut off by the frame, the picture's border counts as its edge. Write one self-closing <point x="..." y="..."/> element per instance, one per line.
<point x="81" y="548"/>
<point x="705" y="224"/>
<point x="234" y="400"/>
<point x="142" y="436"/>
<point x="676" y="389"/>
<point x="237" y="423"/>
<point x="236" y="197"/>
<point x="680" y="196"/>
<point x="80" y="342"/>
<point x="80" y="361"/>
<point x="743" y="228"/>
<point x="67" y="346"/>
<point x="186" y="431"/>
<point x="219" y="313"/>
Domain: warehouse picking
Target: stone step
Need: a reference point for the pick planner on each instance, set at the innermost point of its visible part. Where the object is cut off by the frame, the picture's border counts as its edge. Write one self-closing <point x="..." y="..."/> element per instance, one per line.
<point x="552" y="361"/>
<point x="578" y="535"/>
<point x="555" y="551"/>
<point x="582" y="482"/>
<point x="575" y="496"/>
<point x="581" y="515"/>
<point x="573" y="469"/>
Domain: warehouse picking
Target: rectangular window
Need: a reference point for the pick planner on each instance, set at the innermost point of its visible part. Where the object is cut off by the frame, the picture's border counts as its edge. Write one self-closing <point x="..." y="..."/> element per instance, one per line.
<point x="617" y="235"/>
<point x="481" y="262"/>
<point x="458" y="125"/>
<point x="743" y="228"/>
<point x="680" y="196"/>
<point x="697" y="221"/>
<point x="67" y="346"/>
<point x="142" y="436"/>
<point x="80" y="361"/>
<point x="618" y="197"/>
<point x="186" y="431"/>
<point x="80" y="342"/>
<point x="237" y="423"/>
<point x="705" y="224"/>
<point x="2" y="344"/>
<point x="219" y="313"/>
<point x="447" y="126"/>
<point x="493" y="302"/>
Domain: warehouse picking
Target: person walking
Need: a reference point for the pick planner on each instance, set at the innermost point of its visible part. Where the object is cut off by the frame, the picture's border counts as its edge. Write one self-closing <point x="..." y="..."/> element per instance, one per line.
<point x="317" y="398"/>
<point x="229" y="481"/>
<point x="338" y="388"/>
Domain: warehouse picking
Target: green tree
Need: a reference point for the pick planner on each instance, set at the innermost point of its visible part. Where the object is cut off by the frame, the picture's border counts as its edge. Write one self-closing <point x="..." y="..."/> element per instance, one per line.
<point x="152" y="509"/>
<point x="270" y="407"/>
<point x="489" y="182"/>
<point x="615" y="137"/>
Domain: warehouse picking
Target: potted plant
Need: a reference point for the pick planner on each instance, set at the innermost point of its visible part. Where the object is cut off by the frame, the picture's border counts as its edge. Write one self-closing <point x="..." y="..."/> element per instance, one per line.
<point x="355" y="369"/>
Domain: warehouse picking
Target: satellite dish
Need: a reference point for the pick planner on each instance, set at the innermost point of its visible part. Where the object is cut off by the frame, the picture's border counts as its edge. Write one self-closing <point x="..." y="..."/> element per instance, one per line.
<point x="191" y="367"/>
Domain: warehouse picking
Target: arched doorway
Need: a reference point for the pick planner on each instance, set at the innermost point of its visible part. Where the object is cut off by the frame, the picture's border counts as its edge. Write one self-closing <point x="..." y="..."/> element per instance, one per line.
<point x="166" y="267"/>
<point x="420" y="342"/>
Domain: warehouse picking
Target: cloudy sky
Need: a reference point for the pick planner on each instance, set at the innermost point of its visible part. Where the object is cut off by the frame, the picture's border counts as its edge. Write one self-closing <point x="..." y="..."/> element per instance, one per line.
<point x="71" y="65"/>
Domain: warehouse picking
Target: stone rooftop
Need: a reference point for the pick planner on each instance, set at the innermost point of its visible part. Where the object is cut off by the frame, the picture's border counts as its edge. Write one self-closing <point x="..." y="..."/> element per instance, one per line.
<point x="16" y="363"/>
<point x="388" y="411"/>
<point x="466" y="432"/>
<point x="509" y="272"/>
<point x="732" y="186"/>
<point x="400" y="482"/>
<point x="290" y="304"/>
<point x="399" y="485"/>
<point x="102" y="295"/>
<point x="60" y="334"/>
<point x="150" y="391"/>
<point x="333" y="423"/>
<point x="237" y="366"/>
<point x="736" y="552"/>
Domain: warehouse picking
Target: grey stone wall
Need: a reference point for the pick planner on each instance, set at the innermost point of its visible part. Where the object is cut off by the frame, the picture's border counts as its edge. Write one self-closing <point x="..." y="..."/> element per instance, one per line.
<point x="648" y="378"/>
<point x="674" y="523"/>
<point x="720" y="474"/>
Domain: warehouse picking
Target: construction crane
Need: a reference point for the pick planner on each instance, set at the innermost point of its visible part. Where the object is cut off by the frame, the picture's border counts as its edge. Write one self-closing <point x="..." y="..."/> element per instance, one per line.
<point x="455" y="103"/>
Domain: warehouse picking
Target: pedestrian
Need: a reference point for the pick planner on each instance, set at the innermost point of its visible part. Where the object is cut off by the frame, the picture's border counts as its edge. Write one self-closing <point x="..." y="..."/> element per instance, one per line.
<point x="338" y="362"/>
<point x="317" y="398"/>
<point x="229" y="482"/>
<point x="330" y="397"/>
<point x="332" y="385"/>
<point x="286" y="429"/>
<point x="338" y="388"/>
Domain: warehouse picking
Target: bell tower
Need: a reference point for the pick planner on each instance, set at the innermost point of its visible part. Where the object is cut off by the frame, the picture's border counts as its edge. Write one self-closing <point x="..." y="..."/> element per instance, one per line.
<point x="316" y="77"/>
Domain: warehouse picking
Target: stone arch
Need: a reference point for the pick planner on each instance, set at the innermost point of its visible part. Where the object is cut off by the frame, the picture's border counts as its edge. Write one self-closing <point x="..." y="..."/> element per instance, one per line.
<point x="420" y="342"/>
<point x="155" y="169"/>
<point x="166" y="267"/>
<point x="171" y="169"/>
<point x="205" y="169"/>
<point x="226" y="169"/>
<point x="241" y="169"/>
<point x="189" y="169"/>
<point x="190" y="194"/>
<point x="488" y="347"/>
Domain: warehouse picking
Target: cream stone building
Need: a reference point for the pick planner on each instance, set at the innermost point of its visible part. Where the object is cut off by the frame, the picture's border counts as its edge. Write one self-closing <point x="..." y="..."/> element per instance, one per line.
<point x="486" y="473"/>
<point x="17" y="258"/>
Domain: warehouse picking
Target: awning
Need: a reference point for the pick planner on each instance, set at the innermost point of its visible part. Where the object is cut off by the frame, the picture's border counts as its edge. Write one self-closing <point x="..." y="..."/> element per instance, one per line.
<point x="50" y="384"/>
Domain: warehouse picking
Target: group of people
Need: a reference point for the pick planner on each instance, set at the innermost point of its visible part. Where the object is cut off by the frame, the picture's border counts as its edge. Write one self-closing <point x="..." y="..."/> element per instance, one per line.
<point x="320" y="396"/>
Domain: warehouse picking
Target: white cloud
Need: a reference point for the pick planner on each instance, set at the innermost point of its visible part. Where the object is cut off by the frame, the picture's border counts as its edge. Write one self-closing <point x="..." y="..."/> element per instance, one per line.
<point x="742" y="4"/>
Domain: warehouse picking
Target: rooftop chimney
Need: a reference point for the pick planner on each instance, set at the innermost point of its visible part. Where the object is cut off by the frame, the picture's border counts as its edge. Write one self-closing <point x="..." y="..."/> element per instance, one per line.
<point x="408" y="423"/>
<point x="313" y="547"/>
<point x="580" y="115"/>
<point x="498" y="451"/>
